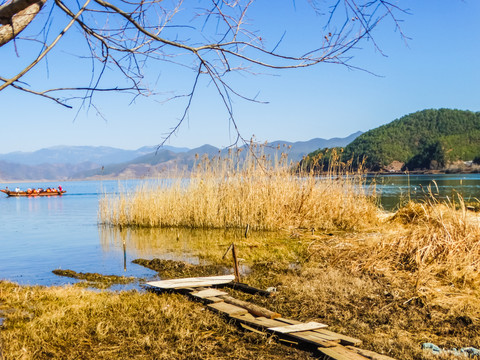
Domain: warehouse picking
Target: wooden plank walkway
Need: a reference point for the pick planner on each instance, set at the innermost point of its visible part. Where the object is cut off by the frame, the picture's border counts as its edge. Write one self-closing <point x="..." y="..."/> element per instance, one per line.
<point x="311" y="336"/>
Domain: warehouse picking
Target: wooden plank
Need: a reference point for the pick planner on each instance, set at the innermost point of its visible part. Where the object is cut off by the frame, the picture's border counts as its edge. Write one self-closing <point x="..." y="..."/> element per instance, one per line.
<point x="370" y="354"/>
<point x="306" y="337"/>
<point x="247" y="317"/>
<point x="261" y="322"/>
<point x="311" y="338"/>
<point x="321" y="337"/>
<point x="312" y="325"/>
<point x="208" y="300"/>
<point x="228" y="309"/>
<point x="208" y="293"/>
<point x="341" y="353"/>
<point x="265" y="322"/>
<point x="327" y="337"/>
<point x="213" y="299"/>
<point x="192" y="282"/>
<point x="344" y="339"/>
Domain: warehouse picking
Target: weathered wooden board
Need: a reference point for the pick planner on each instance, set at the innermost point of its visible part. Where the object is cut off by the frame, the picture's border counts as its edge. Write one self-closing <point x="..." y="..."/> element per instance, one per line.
<point x="246" y="317"/>
<point x="228" y="309"/>
<point x="370" y="354"/>
<point x="213" y="299"/>
<point x="192" y="282"/>
<point x="312" y="325"/>
<point x="309" y="337"/>
<point x="344" y="339"/>
<point x="208" y="293"/>
<point x="341" y="353"/>
<point x="264" y="322"/>
<point x="327" y="334"/>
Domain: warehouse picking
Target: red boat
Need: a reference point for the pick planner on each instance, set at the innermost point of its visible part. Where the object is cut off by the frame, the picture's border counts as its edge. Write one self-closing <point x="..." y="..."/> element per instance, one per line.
<point x="51" y="192"/>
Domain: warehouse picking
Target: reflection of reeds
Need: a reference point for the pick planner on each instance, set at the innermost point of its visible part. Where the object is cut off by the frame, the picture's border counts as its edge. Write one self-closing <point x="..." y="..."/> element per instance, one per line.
<point x="232" y="192"/>
<point x="196" y="246"/>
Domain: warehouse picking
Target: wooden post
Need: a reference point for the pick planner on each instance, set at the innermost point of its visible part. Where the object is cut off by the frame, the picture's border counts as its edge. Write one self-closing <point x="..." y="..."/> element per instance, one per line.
<point x="246" y="230"/>
<point x="251" y="308"/>
<point x="124" y="256"/>
<point x="235" y="264"/>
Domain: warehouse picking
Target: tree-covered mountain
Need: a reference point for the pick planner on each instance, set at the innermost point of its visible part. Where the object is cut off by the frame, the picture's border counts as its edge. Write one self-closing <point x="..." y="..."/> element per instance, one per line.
<point x="428" y="139"/>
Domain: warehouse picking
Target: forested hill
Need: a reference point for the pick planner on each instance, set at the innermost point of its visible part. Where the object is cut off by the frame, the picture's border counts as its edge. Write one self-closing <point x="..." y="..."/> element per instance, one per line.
<point x="428" y="139"/>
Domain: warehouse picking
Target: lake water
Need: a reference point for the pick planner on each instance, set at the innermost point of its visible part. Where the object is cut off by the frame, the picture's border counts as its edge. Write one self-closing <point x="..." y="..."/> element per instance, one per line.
<point x="38" y="235"/>
<point x="394" y="189"/>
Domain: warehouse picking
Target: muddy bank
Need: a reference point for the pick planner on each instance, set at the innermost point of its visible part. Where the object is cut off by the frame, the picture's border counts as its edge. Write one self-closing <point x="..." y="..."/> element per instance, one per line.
<point x="172" y="269"/>
<point x="96" y="278"/>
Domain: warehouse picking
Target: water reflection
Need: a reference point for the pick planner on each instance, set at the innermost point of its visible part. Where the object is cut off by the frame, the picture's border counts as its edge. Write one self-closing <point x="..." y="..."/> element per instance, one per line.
<point x="395" y="190"/>
<point x="199" y="246"/>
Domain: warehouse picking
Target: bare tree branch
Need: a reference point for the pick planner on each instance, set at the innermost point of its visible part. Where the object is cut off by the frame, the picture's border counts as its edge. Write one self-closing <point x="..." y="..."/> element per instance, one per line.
<point x="42" y="55"/>
<point x="124" y="36"/>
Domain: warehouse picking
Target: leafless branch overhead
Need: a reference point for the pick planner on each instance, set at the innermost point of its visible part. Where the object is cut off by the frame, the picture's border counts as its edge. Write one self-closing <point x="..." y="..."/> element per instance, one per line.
<point x="211" y="38"/>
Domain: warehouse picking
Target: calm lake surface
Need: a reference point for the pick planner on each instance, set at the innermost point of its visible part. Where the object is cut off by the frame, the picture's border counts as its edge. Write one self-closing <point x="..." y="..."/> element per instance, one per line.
<point x="38" y="235"/>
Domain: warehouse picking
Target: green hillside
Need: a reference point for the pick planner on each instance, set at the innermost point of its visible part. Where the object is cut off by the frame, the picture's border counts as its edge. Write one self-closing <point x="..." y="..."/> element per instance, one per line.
<point x="426" y="139"/>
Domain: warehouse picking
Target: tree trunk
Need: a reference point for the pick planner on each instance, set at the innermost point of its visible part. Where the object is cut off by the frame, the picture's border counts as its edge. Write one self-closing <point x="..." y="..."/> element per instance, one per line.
<point x="15" y="17"/>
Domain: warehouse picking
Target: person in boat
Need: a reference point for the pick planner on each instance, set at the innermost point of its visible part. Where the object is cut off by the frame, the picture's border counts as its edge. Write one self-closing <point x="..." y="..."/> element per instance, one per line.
<point x="49" y="190"/>
<point x="60" y="188"/>
<point x="6" y="189"/>
<point x="17" y="189"/>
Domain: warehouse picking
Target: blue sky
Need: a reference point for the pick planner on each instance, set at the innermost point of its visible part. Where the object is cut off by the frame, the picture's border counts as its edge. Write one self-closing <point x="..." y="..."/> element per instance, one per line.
<point x="437" y="67"/>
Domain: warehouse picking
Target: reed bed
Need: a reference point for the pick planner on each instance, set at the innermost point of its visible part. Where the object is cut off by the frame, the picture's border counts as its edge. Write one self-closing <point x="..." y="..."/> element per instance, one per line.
<point x="241" y="190"/>
<point x="441" y="238"/>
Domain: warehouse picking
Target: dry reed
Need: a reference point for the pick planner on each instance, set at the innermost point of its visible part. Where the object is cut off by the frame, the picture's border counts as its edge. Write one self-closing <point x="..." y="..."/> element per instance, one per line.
<point x="442" y="238"/>
<point x="232" y="192"/>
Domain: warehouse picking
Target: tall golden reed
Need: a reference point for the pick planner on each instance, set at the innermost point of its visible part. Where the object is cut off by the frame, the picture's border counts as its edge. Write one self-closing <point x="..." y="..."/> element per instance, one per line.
<point x="245" y="188"/>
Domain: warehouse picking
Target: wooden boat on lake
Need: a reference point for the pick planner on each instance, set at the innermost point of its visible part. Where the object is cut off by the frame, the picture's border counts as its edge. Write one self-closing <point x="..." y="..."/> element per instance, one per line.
<point x="34" y="192"/>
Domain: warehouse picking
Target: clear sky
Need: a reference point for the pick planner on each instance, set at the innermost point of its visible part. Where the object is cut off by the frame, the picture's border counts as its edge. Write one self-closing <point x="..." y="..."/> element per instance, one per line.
<point x="438" y="67"/>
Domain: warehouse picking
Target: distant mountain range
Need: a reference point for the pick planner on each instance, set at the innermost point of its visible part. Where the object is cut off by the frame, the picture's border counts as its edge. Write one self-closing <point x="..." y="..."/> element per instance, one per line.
<point x="79" y="154"/>
<point x="90" y="162"/>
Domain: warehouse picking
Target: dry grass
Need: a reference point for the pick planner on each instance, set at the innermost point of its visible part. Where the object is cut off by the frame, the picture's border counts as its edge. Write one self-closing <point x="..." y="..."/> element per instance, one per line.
<point x="347" y="284"/>
<point x="73" y="323"/>
<point x="383" y="312"/>
<point x="437" y="239"/>
<point x="229" y="193"/>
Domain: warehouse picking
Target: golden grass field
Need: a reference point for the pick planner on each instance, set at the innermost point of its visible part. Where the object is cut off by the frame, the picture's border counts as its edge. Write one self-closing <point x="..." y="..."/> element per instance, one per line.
<point x="394" y="280"/>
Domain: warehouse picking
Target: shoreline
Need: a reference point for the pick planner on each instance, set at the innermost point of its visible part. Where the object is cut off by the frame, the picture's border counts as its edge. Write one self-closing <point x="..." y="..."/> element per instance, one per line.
<point x="370" y="173"/>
